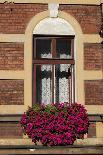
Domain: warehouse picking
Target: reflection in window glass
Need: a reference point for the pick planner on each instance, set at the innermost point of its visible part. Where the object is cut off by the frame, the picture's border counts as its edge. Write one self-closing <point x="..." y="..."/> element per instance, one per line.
<point x="63" y="48"/>
<point x="43" y="48"/>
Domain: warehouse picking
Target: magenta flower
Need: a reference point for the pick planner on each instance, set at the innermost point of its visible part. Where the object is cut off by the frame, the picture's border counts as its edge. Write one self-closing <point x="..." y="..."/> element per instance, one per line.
<point x="56" y="124"/>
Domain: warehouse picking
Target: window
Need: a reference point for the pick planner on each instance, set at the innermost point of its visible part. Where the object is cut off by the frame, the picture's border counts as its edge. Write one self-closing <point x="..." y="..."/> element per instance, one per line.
<point x="53" y="69"/>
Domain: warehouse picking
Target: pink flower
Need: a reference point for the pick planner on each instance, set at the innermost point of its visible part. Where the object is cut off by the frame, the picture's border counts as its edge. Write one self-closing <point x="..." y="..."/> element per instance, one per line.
<point x="58" y="124"/>
<point x="68" y="134"/>
<point x="29" y="127"/>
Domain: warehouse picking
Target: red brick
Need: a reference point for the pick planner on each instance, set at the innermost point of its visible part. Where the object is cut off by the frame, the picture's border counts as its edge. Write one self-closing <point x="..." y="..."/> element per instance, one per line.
<point x="11" y="92"/>
<point x="11" y="56"/>
<point x="14" y="18"/>
<point x="93" y="92"/>
<point x="88" y="16"/>
<point x="93" y="56"/>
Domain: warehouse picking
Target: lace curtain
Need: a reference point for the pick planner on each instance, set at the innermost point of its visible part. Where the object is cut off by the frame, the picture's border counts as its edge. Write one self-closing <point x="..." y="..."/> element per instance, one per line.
<point x="61" y="84"/>
<point x="46" y="84"/>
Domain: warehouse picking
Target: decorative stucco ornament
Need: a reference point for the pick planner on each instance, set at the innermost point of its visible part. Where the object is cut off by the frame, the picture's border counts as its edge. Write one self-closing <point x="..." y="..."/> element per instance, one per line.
<point x="53" y="9"/>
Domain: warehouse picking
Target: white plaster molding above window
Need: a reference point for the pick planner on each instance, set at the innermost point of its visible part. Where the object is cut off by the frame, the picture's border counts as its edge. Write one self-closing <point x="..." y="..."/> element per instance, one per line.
<point x="53" y="9"/>
<point x="54" y="26"/>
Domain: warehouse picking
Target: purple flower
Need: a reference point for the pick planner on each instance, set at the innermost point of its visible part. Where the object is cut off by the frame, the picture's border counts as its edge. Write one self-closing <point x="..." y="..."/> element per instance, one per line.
<point x="29" y="127"/>
<point x="58" y="124"/>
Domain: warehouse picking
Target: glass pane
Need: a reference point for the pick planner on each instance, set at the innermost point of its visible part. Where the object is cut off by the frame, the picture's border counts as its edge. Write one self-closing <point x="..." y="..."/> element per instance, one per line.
<point x="63" y="48"/>
<point x="62" y="82"/>
<point x="44" y="84"/>
<point x="43" y="48"/>
<point x="54" y="83"/>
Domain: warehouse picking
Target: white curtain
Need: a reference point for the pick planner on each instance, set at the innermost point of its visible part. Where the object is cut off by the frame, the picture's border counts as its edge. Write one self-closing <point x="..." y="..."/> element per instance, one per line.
<point x="46" y="86"/>
<point x="46" y="83"/>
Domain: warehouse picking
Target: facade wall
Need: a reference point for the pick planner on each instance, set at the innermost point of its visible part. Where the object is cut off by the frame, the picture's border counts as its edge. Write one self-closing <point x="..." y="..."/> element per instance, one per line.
<point x="11" y="56"/>
<point x="14" y="20"/>
<point x="15" y="17"/>
<point x="89" y="17"/>
<point x="10" y="130"/>
<point x="11" y="92"/>
<point x="93" y="56"/>
<point x="94" y="92"/>
<point x="92" y="130"/>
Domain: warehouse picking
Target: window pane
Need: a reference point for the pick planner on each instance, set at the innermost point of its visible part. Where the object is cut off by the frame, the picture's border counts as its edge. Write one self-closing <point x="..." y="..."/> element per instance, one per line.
<point x="44" y="84"/>
<point x="63" y="48"/>
<point x="62" y="81"/>
<point x="54" y="83"/>
<point x="43" y="48"/>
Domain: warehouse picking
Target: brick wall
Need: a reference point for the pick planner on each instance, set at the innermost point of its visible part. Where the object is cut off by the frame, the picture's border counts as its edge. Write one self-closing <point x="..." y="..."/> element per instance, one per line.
<point x="93" y="92"/>
<point x="10" y="130"/>
<point x="89" y="17"/>
<point x="92" y="130"/>
<point x="11" y="92"/>
<point x="11" y="56"/>
<point x="15" y="17"/>
<point x="93" y="56"/>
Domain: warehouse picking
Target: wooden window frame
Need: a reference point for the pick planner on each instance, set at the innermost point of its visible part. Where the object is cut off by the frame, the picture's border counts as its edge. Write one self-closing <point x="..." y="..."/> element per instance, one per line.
<point x="51" y="61"/>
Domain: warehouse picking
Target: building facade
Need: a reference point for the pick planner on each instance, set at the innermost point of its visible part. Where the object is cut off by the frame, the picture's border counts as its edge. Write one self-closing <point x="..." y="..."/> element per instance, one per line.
<point x="35" y="37"/>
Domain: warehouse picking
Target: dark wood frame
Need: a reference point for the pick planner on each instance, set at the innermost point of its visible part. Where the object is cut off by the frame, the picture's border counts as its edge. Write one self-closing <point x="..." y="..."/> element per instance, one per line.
<point x="51" y="61"/>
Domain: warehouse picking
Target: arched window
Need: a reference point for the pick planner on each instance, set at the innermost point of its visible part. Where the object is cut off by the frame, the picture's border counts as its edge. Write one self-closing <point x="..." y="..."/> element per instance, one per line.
<point x="53" y="62"/>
